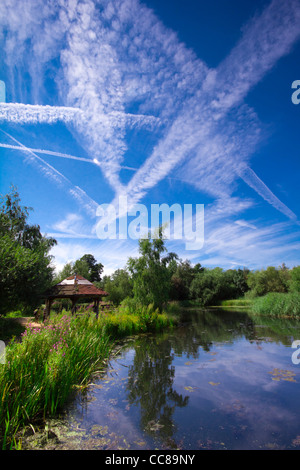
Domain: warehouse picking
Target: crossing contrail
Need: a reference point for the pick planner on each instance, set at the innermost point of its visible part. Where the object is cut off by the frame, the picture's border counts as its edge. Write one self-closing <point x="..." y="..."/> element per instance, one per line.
<point x="50" y="172"/>
<point x="94" y="161"/>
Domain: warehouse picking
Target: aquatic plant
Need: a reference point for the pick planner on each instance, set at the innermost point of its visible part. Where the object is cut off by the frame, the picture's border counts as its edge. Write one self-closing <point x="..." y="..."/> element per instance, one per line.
<point x="42" y="369"/>
<point x="277" y="304"/>
<point x="57" y="357"/>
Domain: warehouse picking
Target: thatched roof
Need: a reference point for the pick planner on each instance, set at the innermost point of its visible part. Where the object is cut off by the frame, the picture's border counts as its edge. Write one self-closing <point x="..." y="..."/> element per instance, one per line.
<point x="74" y="286"/>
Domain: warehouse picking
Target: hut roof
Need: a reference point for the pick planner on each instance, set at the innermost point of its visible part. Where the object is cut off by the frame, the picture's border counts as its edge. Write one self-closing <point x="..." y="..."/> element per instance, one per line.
<point x="74" y="286"/>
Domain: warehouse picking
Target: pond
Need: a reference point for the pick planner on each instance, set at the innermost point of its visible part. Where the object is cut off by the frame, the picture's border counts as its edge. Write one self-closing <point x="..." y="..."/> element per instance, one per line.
<point x="222" y="380"/>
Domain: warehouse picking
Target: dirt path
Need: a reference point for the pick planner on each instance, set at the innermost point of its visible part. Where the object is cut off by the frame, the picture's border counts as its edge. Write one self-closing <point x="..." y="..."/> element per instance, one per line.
<point x="14" y="327"/>
<point x="24" y="321"/>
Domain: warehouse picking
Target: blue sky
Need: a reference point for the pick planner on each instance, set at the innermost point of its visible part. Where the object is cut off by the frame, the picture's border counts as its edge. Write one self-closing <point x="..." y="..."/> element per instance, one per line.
<point x="162" y="102"/>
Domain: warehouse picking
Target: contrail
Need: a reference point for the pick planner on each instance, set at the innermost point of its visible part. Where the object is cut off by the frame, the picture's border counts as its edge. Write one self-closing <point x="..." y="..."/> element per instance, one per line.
<point x="65" y="155"/>
<point x="77" y="193"/>
<point x="33" y="114"/>
<point x="47" y="152"/>
<point x="40" y="114"/>
<point x="251" y="178"/>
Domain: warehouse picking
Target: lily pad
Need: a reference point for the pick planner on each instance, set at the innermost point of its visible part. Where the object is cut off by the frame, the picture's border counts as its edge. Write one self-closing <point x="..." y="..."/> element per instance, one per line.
<point x="190" y="389"/>
<point x="283" y="374"/>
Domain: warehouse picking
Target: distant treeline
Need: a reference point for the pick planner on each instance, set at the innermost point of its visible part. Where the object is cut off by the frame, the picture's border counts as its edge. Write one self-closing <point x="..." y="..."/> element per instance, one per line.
<point x="155" y="277"/>
<point x="208" y="286"/>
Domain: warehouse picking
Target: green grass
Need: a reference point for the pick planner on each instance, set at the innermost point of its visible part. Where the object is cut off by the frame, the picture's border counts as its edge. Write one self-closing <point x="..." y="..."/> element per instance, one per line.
<point x="241" y="302"/>
<point x="277" y="304"/>
<point x="51" y="361"/>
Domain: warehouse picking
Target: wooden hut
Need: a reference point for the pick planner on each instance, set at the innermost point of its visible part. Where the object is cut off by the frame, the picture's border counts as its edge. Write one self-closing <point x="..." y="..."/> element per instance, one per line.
<point x="74" y="288"/>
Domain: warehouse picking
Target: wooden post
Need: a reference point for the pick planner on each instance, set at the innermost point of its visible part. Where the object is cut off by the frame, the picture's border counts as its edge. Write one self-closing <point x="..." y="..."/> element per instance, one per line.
<point x="74" y="301"/>
<point x="47" y="308"/>
<point x="97" y="308"/>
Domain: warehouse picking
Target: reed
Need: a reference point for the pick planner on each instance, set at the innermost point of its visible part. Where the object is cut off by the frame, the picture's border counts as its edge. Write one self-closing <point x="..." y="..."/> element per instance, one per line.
<point x="241" y="302"/>
<point x="277" y="304"/>
<point x="52" y="360"/>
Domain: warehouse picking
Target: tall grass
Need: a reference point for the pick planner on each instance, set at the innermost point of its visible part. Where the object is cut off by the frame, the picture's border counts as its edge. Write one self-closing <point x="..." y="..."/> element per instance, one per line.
<point x="241" y="302"/>
<point x="42" y="370"/>
<point x="277" y="304"/>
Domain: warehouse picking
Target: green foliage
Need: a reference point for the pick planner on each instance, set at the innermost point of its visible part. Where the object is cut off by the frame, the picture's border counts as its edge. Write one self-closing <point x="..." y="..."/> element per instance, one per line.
<point x="182" y="278"/>
<point x="242" y="302"/>
<point x="294" y="283"/>
<point x="25" y="263"/>
<point x="277" y="304"/>
<point x="268" y="280"/>
<point x="150" y="274"/>
<point x="42" y="370"/>
<point x="119" y="286"/>
<point x="86" y="266"/>
<point x="211" y="286"/>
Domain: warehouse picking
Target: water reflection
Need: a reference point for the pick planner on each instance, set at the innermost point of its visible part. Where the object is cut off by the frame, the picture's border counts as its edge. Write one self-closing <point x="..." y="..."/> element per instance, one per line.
<point x="151" y="375"/>
<point x="223" y="380"/>
<point x="150" y="385"/>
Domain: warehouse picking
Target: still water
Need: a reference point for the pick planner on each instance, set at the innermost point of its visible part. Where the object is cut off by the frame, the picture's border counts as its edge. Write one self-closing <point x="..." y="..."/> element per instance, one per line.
<point x="223" y="380"/>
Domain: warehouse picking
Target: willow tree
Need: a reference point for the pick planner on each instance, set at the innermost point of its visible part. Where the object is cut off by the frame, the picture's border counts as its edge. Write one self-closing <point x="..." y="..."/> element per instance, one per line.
<point x="150" y="273"/>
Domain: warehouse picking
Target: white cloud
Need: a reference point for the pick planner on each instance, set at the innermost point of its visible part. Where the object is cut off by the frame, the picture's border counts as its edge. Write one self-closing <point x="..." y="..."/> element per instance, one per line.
<point x="115" y="71"/>
<point x="198" y="134"/>
<point x="113" y="254"/>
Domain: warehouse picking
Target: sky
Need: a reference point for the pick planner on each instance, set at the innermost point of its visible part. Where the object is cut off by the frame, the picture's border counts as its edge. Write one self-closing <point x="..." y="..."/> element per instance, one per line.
<point x="189" y="103"/>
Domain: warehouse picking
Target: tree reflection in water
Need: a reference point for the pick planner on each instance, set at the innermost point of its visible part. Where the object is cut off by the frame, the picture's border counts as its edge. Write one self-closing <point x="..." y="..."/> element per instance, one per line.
<point x="150" y="385"/>
<point x="151" y="376"/>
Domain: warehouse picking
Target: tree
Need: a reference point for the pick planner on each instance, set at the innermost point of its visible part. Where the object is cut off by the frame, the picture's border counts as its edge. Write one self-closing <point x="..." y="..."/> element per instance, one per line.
<point x="94" y="269"/>
<point x="207" y="286"/>
<point x="294" y="284"/>
<point x="66" y="271"/>
<point x="150" y="274"/>
<point x="182" y="278"/>
<point x="268" y="280"/>
<point x="86" y="266"/>
<point x="25" y="263"/>
<point x="118" y="285"/>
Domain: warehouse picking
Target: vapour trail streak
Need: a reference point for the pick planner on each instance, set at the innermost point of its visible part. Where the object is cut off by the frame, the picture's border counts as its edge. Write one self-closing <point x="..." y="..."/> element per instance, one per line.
<point x="38" y="114"/>
<point x="264" y="42"/>
<point x="251" y="178"/>
<point x="77" y="193"/>
<point x="28" y="114"/>
<point x="65" y="155"/>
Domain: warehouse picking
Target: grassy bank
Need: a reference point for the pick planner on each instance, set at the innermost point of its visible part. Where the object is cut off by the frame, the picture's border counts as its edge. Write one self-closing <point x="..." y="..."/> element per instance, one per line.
<point x="43" y="369"/>
<point x="277" y="304"/>
<point x="241" y="302"/>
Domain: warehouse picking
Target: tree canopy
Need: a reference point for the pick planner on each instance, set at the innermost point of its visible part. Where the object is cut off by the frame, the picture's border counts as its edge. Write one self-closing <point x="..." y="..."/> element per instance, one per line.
<point x="25" y="263"/>
<point x="86" y="266"/>
<point x="154" y="277"/>
<point x="150" y="274"/>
